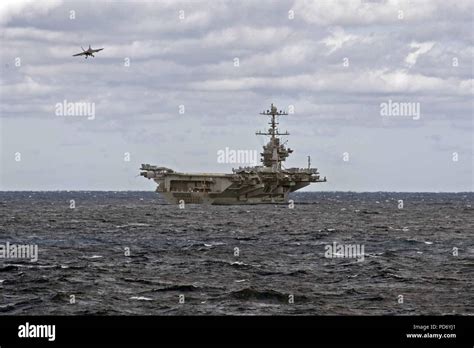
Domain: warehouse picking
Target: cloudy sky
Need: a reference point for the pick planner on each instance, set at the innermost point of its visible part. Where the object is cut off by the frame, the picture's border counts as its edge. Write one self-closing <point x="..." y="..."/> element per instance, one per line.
<point x="222" y="62"/>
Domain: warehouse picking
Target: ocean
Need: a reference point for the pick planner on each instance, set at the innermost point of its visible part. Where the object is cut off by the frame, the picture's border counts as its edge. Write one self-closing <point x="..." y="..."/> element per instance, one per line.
<point x="333" y="253"/>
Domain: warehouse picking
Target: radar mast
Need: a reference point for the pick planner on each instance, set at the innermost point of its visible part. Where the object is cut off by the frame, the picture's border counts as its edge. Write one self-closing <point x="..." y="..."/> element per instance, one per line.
<point x="274" y="153"/>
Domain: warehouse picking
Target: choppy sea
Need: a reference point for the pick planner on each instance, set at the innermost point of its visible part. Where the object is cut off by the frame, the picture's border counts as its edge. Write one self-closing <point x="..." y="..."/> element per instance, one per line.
<point x="131" y="253"/>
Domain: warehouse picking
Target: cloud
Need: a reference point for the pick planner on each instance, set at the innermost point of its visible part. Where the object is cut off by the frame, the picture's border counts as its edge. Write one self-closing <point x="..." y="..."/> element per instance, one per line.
<point x="358" y="12"/>
<point x="339" y="37"/>
<point x="190" y="61"/>
<point x="249" y="36"/>
<point x="421" y="48"/>
<point x="371" y="81"/>
<point x="28" y="87"/>
<point x="28" y="9"/>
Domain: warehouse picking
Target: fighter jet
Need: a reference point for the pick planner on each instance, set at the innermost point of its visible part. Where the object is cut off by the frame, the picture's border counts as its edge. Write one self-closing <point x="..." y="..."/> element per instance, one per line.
<point x="88" y="52"/>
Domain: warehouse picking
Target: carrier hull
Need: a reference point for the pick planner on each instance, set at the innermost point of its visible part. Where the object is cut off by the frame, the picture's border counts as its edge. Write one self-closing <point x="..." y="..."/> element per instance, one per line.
<point x="249" y="187"/>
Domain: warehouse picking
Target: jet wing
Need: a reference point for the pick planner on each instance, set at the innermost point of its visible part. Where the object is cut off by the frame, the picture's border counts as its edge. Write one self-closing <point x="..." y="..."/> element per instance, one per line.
<point x="97" y="50"/>
<point x="79" y="54"/>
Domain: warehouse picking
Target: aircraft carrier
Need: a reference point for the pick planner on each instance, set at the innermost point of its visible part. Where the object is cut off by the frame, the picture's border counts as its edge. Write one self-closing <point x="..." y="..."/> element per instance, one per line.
<point x="268" y="183"/>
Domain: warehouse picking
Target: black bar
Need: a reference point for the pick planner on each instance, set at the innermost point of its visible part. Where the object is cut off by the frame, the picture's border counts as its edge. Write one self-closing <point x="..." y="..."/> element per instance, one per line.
<point x="209" y="330"/>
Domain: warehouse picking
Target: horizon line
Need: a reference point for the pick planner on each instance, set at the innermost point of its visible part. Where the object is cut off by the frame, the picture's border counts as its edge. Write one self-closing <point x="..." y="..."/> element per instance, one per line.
<point x="334" y="191"/>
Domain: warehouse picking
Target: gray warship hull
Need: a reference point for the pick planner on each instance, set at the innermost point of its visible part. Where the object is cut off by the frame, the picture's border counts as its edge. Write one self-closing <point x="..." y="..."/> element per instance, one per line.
<point x="245" y="187"/>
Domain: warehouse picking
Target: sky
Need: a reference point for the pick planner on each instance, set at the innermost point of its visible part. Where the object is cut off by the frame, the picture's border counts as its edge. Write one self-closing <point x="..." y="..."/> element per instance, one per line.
<point x="380" y="92"/>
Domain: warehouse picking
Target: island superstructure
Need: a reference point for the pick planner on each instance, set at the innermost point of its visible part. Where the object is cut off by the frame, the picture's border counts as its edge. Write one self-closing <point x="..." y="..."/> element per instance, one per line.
<point x="267" y="183"/>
